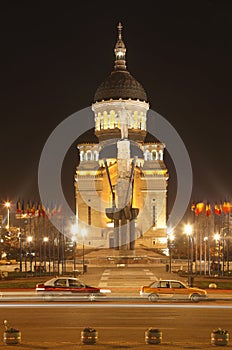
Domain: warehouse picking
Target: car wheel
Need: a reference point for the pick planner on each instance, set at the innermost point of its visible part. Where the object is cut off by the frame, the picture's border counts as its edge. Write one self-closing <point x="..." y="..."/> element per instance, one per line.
<point x="92" y="297"/>
<point x="195" y="298"/>
<point x="48" y="297"/>
<point x="153" y="297"/>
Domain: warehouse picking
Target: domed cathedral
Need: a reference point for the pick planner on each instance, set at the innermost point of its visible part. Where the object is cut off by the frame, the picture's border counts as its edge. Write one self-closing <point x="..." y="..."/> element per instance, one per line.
<point x="121" y="180"/>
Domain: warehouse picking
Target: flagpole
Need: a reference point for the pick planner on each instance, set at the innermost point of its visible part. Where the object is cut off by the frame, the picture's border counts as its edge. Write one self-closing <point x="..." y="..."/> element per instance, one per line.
<point x="20" y="246"/>
<point x="227" y="246"/>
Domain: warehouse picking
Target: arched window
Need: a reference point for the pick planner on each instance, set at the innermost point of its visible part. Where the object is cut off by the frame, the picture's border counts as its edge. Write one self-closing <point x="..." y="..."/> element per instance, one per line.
<point x="154" y="155"/>
<point x="146" y="155"/>
<point x="88" y="155"/>
<point x="81" y="156"/>
<point x="95" y="155"/>
<point x="135" y="120"/>
<point x="112" y="119"/>
<point x="106" y="121"/>
<point x="160" y="154"/>
<point x="98" y="121"/>
<point x="143" y="121"/>
<point x="102" y="121"/>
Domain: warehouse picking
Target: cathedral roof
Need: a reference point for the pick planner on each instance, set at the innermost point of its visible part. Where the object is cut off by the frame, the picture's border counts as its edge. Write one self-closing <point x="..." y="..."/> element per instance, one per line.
<point x="120" y="83"/>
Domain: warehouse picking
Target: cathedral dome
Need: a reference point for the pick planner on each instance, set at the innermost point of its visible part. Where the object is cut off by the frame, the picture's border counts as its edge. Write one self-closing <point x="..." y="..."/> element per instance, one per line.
<point x="120" y="83"/>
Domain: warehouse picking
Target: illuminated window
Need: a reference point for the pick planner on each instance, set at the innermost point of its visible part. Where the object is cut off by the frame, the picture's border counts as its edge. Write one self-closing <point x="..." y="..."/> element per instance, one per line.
<point x="95" y="155"/>
<point x="98" y="121"/>
<point x="143" y="121"/>
<point x="147" y="155"/>
<point x="106" y="122"/>
<point x="112" y="119"/>
<point x="102" y="121"/>
<point x="135" y="120"/>
<point x="88" y="155"/>
<point x="81" y="156"/>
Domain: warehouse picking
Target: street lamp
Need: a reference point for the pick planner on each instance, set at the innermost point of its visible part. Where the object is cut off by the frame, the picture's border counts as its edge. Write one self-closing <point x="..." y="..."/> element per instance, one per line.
<point x="7" y="205"/>
<point x="20" y="253"/>
<point x="188" y="231"/>
<point x="205" y="253"/>
<point x="29" y="239"/>
<point x="74" y="230"/>
<point x="74" y="240"/>
<point x="83" y="233"/>
<point x="45" y="240"/>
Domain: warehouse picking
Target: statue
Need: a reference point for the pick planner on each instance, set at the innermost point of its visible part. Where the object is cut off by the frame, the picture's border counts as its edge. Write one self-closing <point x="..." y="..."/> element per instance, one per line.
<point x="124" y="121"/>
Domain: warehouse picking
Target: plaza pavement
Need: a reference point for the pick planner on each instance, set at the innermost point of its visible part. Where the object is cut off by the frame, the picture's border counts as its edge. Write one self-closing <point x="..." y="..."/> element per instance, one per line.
<point x="126" y="277"/>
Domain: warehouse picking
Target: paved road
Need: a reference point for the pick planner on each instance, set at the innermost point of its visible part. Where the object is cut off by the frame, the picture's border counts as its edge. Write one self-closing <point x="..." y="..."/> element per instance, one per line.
<point x="58" y="326"/>
<point x="48" y="326"/>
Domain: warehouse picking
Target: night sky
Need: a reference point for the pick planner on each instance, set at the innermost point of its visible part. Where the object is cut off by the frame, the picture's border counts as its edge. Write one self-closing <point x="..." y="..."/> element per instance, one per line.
<point x="54" y="56"/>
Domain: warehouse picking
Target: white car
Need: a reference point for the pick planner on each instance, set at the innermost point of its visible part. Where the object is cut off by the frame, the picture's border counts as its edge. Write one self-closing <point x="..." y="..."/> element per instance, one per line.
<point x="65" y="286"/>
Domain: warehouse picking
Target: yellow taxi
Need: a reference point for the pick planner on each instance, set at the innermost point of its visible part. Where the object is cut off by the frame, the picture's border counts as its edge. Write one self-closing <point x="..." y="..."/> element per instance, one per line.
<point x="172" y="289"/>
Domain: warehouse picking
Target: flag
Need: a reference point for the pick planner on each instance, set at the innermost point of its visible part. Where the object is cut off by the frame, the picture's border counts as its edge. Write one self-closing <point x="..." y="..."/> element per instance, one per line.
<point x="53" y="211"/>
<point x="59" y="212"/>
<point x="226" y="207"/>
<point x="32" y="209"/>
<point x="218" y="209"/>
<point x="43" y="210"/>
<point x="193" y="207"/>
<point x="208" y="209"/>
<point x="38" y="210"/>
<point x="199" y="208"/>
<point x="18" y="214"/>
<point x="28" y="208"/>
<point x="19" y="208"/>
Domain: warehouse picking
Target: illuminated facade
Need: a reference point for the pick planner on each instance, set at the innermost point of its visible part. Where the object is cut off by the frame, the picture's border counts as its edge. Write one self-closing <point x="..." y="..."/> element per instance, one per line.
<point x="120" y="143"/>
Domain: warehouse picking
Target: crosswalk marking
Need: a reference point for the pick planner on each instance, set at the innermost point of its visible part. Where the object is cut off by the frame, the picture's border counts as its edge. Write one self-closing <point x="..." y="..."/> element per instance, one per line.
<point x="111" y="277"/>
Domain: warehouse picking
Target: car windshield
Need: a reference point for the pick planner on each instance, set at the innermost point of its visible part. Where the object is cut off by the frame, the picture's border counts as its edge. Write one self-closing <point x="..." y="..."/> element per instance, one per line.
<point x="154" y="285"/>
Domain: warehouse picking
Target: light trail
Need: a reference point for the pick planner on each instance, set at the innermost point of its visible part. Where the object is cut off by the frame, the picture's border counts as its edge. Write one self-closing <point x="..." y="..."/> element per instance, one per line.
<point x="108" y="305"/>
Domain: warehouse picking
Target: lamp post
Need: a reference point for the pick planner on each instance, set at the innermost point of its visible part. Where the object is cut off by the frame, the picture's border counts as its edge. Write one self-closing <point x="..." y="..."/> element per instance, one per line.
<point x="188" y="231"/>
<point x="74" y="230"/>
<point x="45" y="240"/>
<point x="83" y="233"/>
<point x="74" y="240"/>
<point x="7" y="205"/>
<point x="217" y="248"/>
<point x="29" y="239"/>
<point x="170" y="246"/>
<point x="20" y="252"/>
<point x="205" y="254"/>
